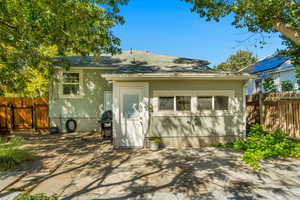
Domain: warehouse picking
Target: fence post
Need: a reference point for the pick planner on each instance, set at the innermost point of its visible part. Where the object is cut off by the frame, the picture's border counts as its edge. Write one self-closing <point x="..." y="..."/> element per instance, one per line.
<point x="12" y="116"/>
<point x="261" y="109"/>
<point x="33" y="117"/>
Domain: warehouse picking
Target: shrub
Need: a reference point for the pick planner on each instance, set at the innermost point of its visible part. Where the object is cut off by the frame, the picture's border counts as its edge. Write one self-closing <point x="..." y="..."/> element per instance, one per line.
<point x="268" y="85"/>
<point x="11" y="155"/>
<point x="155" y="139"/>
<point x="36" y="197"/>
<point x="286" y="86"/>
<point x="17" y="141"/>
<point x="3" y="140"/>
<point x="10" y="158"/>
<point x="260" y="144"/>
<point x="11" y="142"/>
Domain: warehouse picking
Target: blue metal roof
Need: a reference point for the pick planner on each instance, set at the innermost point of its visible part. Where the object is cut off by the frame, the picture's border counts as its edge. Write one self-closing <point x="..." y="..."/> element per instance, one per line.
<point x="269" y="63"/>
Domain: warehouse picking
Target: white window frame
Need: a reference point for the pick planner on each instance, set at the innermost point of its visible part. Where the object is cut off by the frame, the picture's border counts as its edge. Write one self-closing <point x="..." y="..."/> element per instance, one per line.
<point x="61" y="94"/>
<point x="193" y="94"/>
<point x="174" y="104"/>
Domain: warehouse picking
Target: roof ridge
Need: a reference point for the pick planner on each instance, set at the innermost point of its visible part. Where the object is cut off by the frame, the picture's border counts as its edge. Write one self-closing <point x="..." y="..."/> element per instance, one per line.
<point x="160" y="54"/>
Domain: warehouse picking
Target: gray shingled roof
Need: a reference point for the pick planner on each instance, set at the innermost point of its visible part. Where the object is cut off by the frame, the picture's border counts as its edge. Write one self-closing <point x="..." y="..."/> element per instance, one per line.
<point x="150" y="69"/>
<point x="135" y="61"/>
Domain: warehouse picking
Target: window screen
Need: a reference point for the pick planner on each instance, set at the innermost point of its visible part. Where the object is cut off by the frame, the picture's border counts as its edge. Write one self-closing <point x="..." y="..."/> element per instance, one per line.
<point x="71" y="77"/>
<point x="183" y="103"/>
<point x="71" y="84"/>
<point x="70" y="89"/>
<point x="204" y="103"/>
<point x="221" y="102"/>
<point x="166" y="103"/>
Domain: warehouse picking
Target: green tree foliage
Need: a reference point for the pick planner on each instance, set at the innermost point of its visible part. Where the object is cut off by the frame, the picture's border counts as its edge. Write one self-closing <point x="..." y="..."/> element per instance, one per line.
<point x="27" y="81"/>
<point x="293" y="52"/>
<point x="237" y="61"/>
<point x="286" y="86"/>
<point x="71" y="27"/>
<point x="269" y="85"/>
<point x="255" y="15"/>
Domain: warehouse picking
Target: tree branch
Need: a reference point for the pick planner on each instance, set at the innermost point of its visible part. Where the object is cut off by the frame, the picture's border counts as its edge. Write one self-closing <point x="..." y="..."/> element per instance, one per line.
<point x="288" y="31"/>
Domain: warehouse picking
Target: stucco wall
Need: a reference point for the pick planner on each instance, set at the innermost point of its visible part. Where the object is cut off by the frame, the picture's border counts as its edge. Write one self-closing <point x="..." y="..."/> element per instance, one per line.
<point x="86" y="109"/>
<point x="219" y="124"/>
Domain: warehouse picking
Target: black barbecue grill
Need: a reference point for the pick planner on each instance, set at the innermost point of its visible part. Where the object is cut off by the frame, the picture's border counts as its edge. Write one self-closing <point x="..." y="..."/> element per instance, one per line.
<point x="106" y="124"/>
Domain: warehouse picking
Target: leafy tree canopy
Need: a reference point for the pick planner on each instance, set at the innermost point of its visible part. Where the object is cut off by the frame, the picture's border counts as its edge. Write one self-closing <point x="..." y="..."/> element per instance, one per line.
<point x="27" y="81"/>
<point x="29" y="28"/>
<point x="293" y="52"/>
<point x="237" y="61"/>
<point x="255" y="15"/>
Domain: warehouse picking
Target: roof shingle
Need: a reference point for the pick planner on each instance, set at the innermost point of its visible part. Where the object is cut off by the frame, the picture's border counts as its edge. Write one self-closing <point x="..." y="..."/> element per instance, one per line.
<point x="135" y="58"/>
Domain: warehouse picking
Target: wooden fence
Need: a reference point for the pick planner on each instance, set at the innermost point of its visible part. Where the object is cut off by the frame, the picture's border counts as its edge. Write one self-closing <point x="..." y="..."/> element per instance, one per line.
<point x="275" y="111"/>
<point x="23" y="113"/>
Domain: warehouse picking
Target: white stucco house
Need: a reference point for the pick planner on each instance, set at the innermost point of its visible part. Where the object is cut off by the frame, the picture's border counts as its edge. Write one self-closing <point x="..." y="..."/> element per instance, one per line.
<point x="277" y="67"/>
<point x="179" y="100"/>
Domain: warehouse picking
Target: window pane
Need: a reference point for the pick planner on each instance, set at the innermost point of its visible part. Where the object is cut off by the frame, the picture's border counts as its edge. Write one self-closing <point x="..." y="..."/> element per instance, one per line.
<point x="130" y="105"/>
<point x="166" y="103"/>
<point x="71" y="89"/>
<point x="183" y="103"/>
<point x="221" y="103"/>
<point x="107" y="100"/>
<point x="204" y="103"/>
<point x="71" y="77"/>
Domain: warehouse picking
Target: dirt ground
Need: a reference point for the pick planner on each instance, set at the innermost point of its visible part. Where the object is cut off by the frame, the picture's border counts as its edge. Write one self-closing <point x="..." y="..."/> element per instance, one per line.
<point x="80" y="166"/>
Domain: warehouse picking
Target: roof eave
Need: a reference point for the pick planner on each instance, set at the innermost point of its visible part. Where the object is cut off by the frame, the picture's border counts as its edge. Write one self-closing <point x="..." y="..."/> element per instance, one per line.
<point x="88" y="67"/>
<point x="176" y="76"/>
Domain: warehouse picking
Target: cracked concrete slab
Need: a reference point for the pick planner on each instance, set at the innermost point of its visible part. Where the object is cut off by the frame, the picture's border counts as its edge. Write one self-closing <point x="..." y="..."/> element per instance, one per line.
<point x="9" y="195"/>
<point x="9" y="177"/>
<point x="94" y="171"/>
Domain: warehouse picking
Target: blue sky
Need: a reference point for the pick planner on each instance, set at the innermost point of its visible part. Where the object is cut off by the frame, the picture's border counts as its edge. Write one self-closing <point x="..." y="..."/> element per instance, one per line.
<point x="169" y="27"/>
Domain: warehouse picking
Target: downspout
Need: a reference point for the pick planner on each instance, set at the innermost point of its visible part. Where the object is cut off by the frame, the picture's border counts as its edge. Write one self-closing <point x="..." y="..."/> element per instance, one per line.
<point x="245" y="85"/>
<point x="115" y="112"/>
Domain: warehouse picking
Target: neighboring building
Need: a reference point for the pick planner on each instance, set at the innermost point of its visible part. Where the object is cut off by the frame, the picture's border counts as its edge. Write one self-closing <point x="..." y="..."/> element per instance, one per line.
<point x="180" y="100"/>
<point x="277" y="67"/>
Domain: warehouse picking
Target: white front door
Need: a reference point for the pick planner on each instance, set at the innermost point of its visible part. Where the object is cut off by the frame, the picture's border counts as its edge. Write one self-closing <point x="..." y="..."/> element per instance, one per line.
<point x="133" y="115"/>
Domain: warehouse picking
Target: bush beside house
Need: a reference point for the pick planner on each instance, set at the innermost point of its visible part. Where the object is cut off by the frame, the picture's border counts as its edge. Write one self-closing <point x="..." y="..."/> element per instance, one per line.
<point x="260" y="144"/>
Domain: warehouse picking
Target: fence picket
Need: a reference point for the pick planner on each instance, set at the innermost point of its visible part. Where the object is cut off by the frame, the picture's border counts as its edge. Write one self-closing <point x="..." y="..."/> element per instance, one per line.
<point x="281" y="111"/>
<point x="22" y="113"/>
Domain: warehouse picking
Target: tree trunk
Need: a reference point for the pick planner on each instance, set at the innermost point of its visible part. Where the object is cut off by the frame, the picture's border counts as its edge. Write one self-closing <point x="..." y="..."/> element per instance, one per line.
<point x="288" y="31"/>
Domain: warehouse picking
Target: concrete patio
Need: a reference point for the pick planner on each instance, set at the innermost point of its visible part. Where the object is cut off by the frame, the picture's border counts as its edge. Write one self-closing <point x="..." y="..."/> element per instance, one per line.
<point x="80" y="166"/>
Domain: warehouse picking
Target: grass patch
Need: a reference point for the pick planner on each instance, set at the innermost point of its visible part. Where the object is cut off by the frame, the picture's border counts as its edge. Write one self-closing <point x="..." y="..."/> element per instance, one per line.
<point x="10" y="153"/>
<point x="260" y="144"/>
<point x="36" y="197"/>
